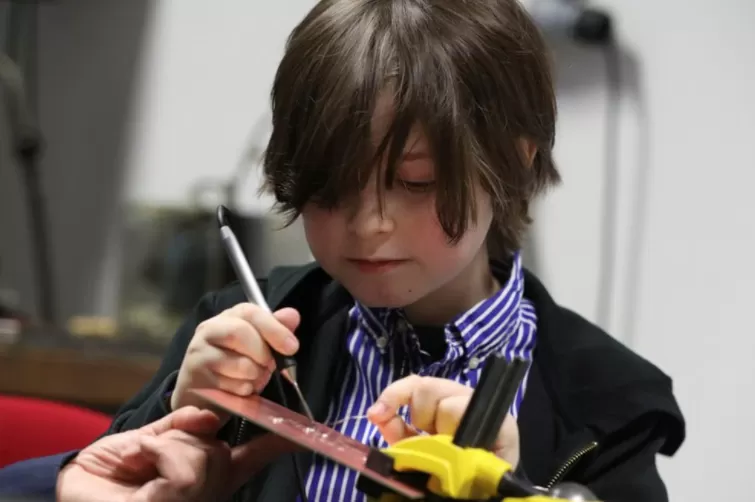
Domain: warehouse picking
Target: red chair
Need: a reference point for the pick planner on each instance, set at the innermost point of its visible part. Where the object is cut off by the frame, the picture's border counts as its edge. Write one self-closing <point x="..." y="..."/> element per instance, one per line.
<point x="32" y="428"/>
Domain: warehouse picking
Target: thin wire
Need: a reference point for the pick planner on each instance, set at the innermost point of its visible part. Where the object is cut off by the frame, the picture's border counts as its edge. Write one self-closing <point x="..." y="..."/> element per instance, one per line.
<point x="364" y="417"/>
<point x="347" y="419"/>
<point x="607" y="257"/>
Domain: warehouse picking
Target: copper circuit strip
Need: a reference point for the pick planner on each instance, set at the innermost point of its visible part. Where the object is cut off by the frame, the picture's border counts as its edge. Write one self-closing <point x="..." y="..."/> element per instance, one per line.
<point x="308" y="434"/>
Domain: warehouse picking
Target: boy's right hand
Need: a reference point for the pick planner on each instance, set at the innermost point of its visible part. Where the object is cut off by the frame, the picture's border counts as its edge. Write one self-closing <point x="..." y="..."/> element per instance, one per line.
<point x="231" y="352"/>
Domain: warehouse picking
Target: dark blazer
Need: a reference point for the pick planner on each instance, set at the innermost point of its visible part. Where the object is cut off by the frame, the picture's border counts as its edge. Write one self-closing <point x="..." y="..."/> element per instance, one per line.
<point x="594" y="413"/>
<point x="31" y="480"/>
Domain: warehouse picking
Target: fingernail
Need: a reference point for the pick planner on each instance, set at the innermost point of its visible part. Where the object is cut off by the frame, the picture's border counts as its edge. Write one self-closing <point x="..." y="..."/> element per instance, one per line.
<point x="291" y="344"/>
<point x="378" y="409"/>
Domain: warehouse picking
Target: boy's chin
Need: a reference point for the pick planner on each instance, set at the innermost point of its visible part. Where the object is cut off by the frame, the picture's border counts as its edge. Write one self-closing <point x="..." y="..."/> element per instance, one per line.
<point x="385" y="299"/>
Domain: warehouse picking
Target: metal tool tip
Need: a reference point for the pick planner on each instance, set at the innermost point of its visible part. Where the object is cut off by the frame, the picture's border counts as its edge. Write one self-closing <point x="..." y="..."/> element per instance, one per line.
<point x="222" y="215"/>
<point x="306" y="410"/>
<point x="290" y="374"/>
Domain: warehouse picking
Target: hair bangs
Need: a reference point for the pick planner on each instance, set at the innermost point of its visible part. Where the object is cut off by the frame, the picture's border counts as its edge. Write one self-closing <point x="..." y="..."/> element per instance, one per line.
<point x="427" y="99"/>
<point x="323" y="98"/>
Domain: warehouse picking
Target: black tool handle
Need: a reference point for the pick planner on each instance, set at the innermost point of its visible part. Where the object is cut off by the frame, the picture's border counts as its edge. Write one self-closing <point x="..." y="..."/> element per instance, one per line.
<point x="283" y="362"/>
<point x="491" y="400"/>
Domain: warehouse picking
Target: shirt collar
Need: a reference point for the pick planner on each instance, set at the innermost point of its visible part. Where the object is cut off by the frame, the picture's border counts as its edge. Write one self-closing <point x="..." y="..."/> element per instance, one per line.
<point x="484" y="329"/>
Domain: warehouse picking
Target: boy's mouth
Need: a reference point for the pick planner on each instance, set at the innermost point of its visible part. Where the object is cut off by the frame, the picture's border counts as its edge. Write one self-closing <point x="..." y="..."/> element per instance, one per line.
<point x="375" y="266"/>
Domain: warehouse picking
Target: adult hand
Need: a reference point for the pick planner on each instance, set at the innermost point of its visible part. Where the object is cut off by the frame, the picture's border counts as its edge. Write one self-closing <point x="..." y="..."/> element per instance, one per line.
<point x="175" y="458"/>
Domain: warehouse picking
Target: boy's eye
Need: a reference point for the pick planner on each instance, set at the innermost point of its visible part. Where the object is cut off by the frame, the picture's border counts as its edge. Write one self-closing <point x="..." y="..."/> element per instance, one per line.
<point x="418" y="186"/>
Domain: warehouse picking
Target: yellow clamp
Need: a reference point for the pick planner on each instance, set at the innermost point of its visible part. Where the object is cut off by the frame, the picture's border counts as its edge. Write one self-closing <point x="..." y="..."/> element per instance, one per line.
<point x="455" y="472"/>
<point x="535" y="498"/>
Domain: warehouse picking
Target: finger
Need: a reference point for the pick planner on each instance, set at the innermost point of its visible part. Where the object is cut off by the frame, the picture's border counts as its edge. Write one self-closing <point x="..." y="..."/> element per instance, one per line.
<point x="216" y="453"/>
<point x="134" y="466"/>
<point x="234" y="333"/>
<point x="177" y="462"/>
<point x="189" y="419"/>
<point x="210" y="458"/>
<point x="120" y="460"/>
<point x="261" y="382"/>
<point x="422" y="394"/>
<point x="207" y="444"/>
<point x="276" y="334"/>
<point x="288" y="317"/>
<point x="232" y="364"/>
<point x="395" y="429"/>
<point x="507" y="443"/>
<point x="448" y="414"/>
<point x="236" y="386"/>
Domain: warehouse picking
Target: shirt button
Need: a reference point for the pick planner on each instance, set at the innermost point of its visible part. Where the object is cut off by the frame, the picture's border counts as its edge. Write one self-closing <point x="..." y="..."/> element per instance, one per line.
<point x="474" y="363"/>
<point x="401" y="326"/>
<point x="382" y="342"/>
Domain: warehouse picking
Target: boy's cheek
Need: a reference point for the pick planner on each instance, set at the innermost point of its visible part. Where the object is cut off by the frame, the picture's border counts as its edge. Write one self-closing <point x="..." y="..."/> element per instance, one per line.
<point x="319" y="226"/>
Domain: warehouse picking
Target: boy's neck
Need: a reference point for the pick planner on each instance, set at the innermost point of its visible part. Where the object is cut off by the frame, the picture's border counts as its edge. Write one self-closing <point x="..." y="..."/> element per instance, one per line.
<point x="475" y="283"/>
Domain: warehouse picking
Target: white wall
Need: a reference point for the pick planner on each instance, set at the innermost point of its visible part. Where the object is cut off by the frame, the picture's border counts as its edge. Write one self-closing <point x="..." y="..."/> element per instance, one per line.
<point x="207" y="73"/>
<point x="200" y="103"/>
<point x="206" y="79"/>
<point x="695" y="280"/>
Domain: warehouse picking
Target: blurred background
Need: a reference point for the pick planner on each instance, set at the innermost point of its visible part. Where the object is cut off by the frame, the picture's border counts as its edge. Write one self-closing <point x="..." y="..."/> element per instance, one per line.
<point x="140" y="116"/>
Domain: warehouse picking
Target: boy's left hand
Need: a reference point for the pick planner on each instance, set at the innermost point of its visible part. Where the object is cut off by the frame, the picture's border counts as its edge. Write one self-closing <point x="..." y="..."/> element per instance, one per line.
<point x="436" y="406"/>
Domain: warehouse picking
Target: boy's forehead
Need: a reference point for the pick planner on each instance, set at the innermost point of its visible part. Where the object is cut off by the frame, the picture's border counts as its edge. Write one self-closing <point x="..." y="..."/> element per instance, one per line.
<point x="382" y="118"/>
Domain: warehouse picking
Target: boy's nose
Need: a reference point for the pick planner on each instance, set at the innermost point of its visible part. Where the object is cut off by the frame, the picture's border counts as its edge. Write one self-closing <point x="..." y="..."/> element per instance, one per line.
<point x="366" y="218"/>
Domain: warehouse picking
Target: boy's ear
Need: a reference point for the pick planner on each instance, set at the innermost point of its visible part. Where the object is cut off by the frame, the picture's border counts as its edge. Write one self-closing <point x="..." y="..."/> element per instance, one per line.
<point x="528" y="149"/>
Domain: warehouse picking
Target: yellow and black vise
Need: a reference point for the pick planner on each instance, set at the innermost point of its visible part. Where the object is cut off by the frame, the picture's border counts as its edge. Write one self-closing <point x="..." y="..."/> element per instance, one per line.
<point x="443" y="468"/>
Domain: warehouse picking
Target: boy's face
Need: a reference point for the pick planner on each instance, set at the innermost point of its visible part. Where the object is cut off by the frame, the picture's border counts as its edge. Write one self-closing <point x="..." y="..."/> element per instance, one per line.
<point x="401" y="256"/>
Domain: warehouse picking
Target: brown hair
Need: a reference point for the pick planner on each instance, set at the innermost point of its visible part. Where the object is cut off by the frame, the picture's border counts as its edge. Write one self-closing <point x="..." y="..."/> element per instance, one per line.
<point x="474" y="73"/>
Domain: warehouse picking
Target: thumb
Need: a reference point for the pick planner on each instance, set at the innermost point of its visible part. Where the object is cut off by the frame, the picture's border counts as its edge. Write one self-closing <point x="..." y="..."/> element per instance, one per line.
<point x="170" y="459"/>
<point x="394" y="429"/>
<point x="174" y="473"/>
<point x="187" y="419"/>
<point x="288" y="317"/>
<point x="507" y="443"/>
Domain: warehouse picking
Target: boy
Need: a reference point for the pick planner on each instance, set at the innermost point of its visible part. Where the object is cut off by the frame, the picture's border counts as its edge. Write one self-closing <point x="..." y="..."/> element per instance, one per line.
<point x="411" y="137"/>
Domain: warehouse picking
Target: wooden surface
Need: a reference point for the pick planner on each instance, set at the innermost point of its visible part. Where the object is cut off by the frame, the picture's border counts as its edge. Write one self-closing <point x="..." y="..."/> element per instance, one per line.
<point x="99" y="379"/>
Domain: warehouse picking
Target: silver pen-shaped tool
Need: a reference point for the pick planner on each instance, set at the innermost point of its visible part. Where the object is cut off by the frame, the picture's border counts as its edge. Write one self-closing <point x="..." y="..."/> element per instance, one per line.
<point x="285" y="365"/>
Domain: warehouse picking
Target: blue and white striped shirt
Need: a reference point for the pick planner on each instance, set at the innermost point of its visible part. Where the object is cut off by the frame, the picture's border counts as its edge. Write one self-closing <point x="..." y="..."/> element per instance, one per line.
<point x="384" y="347"/>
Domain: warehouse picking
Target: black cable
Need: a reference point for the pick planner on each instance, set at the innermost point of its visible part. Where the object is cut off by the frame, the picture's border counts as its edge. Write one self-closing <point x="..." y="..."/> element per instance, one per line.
<point x="637" y="222"/>
<point x="609" y="213"/>
<point x="297" y="467"/>
<point x="595" y="27"/>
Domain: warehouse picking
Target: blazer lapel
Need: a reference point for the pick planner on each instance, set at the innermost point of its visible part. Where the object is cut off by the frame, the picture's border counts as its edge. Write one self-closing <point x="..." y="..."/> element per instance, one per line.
<point x="324" y="368"/>
<point x="326" y="364"/>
